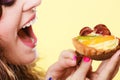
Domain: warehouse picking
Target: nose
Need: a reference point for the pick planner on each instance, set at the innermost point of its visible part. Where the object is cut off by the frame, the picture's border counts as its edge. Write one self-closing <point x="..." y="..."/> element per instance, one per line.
<point x="29" y="4"/>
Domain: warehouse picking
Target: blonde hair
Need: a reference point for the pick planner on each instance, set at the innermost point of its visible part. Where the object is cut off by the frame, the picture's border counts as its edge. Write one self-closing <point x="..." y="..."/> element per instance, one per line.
<point x="19" y="72"/>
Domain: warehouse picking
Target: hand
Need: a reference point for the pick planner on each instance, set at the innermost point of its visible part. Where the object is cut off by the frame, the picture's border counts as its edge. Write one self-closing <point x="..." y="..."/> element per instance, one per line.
<point x="67" y="66"/>
<point x="107" y="69"/>
<point x="67" y="69"/>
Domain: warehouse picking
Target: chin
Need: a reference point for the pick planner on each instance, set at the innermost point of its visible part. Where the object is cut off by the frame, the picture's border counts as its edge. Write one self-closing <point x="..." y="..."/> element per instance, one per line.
<point x="28" y="60"/>
<point x="31" y="57"/>
<point x="28" y="57"/>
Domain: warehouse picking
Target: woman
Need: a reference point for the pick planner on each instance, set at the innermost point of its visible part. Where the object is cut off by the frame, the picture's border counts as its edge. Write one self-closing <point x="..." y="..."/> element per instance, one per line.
<point x="18" y="54"/>
<point x="17" y="40"/>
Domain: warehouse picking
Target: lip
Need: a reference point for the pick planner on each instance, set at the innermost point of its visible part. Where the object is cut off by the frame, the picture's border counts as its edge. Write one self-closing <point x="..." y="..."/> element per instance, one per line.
<point x="32" y="45"/>
<point x="30" y="19"/>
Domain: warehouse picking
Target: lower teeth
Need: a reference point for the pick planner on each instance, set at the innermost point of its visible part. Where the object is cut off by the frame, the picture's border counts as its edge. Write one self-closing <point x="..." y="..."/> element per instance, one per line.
<point x="32" y="40"/>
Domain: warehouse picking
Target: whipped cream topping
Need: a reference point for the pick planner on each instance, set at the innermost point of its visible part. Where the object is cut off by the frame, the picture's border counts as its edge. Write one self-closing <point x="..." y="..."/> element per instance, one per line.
<point x="93" y="34"/>
<point x="110" y="44"/>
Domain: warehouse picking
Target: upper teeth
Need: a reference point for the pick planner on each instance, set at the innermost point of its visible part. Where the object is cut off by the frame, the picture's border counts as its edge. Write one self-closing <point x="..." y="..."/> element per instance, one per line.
<point x="34" y="9"/>
<point x="29" y="23"/>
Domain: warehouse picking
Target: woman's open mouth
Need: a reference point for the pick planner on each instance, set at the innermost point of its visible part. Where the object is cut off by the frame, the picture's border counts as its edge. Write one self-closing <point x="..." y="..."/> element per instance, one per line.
<point x="27" y="35"/>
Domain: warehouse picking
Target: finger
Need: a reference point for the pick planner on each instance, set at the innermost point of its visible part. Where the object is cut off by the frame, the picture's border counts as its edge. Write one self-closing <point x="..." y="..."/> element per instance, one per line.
<point x="108" y="70"/>
<point x="67" y="59"/>
<point x="101" y="66"/>
<point x="90" y="72"/>
<point x="67" y="54"/>
<point x="116" y="70"/>
<point x="83" y="69"/>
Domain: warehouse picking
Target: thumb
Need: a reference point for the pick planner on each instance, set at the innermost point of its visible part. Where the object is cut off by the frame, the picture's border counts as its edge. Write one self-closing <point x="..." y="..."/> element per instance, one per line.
<point x="83" y="69"/>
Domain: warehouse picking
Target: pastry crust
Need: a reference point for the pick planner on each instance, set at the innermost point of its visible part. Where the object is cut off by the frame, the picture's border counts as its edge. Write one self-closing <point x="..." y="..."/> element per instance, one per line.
<point x="92" y="52"/>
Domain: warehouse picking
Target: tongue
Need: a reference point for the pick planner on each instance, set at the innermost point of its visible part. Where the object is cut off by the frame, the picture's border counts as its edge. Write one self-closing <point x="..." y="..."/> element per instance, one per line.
<point x="27" y="36"/>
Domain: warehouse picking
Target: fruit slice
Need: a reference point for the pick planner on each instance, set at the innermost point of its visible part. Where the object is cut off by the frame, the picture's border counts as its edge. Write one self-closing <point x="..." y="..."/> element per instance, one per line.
<point x="91" y="40"/>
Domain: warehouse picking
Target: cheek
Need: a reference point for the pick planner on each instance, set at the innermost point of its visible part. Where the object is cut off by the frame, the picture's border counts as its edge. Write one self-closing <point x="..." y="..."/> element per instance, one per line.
<point x="8" y="30"/>
<point x="8" y="23"/>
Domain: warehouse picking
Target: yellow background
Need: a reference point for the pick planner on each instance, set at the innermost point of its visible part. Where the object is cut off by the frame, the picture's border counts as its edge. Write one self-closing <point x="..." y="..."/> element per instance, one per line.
<point x="60" y="20"/>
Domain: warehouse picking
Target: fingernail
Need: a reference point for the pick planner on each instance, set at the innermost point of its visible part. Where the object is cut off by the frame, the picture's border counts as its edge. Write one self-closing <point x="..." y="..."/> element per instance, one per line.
<point x="75" y="58"/>
<point x="50" y="78"/>
<point x="86" y="59"/>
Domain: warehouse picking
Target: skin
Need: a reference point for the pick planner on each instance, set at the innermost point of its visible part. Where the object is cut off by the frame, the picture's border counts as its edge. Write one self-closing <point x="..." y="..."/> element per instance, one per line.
<point x="67" y="69"/>
<point x="12" y="19"/>
<point x="16" y="52"/>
